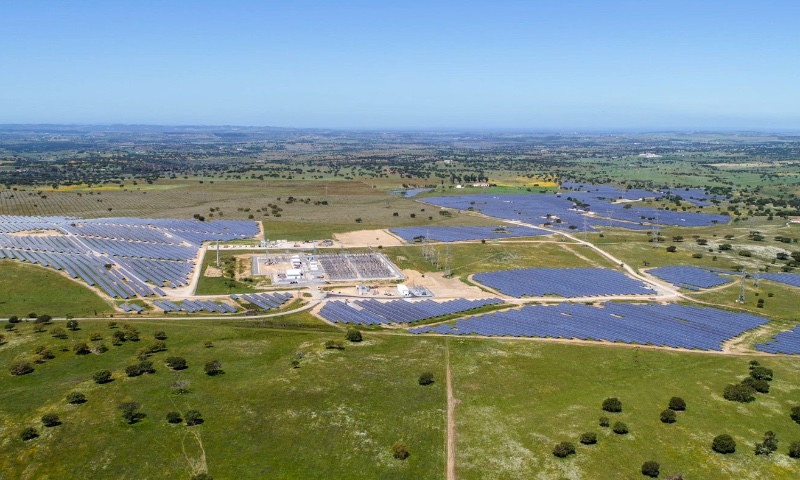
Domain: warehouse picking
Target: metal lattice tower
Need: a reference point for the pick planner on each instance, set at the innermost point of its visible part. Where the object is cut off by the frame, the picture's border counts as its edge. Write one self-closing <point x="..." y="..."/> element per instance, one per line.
<point x="741" y="289"/>
<point x="756" y="276"/>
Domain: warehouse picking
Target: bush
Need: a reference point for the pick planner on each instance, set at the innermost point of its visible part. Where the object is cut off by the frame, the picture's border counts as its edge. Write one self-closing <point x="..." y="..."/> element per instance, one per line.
<point x="44" y="320"/>
<point x="334" y="344"/>
<point x="739" y="393"/>
<point x="28" y="434"/>
<point x="668" y="416"/>
<point x="354" y="335"/>
<point x="76" y="398"/>
<point x="677" y="404"/>
<point x="50" y="420"/>
<point x="612" y="405"/>
<point x="761" y="373"/>
<point x="14" y="319"/>
<point x="651" y="468"/>
<point x="174" y="417"/>
<point x="20" y="367"/>
<point x="202" y="476"/>
<point x="589" y="438"/>
<point x="103" y="376"/>
<point x="58" y="332"/>
<point x="72" y="325"/>
<point x="193" y="417"/>
<point x="768" y="445"/>
<point x="604" y="422"/>
<point x="426" y="378"/>
<point x="400" y="450"/>
<point x="564" y="449"/>
<point x="723" y="444"/>
<point x="133" y="371"/>
<point x="160" y="335"/>
<point x="620" y="428"/>
<point x="81" y="348"/>
<point x="214" y="367"/>
<point x="176" y="363"/>
<point x="761" y="386"/>
<point x="794" y="449"/>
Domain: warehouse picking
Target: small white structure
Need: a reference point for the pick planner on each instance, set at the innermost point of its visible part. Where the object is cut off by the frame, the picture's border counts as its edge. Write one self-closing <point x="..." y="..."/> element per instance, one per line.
<point x="403" y="291"/>
<point x="294" y="274"/>
<point x="296" y="261"/>
<point x="313" y="266"/>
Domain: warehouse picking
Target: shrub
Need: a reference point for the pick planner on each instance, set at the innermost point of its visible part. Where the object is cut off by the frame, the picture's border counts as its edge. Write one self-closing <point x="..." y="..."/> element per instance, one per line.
<point x="739" y="393"/>
<point x="354" y="335"/>
<point x="651" y="468"/>
<point x="181" y="387"/>
<point x="193" y="417"/>
<point x="112" y="324"/>
<point x="604" y="422"/>
<point x="95" y="337"/>
<point x="50" y="420"/>
<point x="174" y="417"/>
<point x="668" y="416"/>
<point x="81" y="348"/>
<point x="160" y="335"/>
<point x="214" y="367"/>
<point x="794" y="449"/>
<point x="768" y="445"/>
<point x="44" y="319"/>
<point x="133" y="371"/>
<point x="761" y="373"/>
<point x="28" y="434"/>
<point x="72" y="324"/>
<point x="564" y="449"/>
<point x="102" y="376"/>
<point x="13" y="319"/>
<point x="176" y="363"/>
<point x="677" y="404"/>
<point x="76" y="398"/>
<point x="334" y="344"/>
<point x="118" y="336"/>
<point x="208" y="344"/>
<point x="620" y="428"/>
<point x="426" y="378"/>
<point x="400" y="450"/>
<point x="202" y="476"/>
<point x="20" y="367"/>
<point x="58" y="332"/>
<point x="612" y="405"/>
<point x="589" y="438"/>
<point x="723" y="444"/>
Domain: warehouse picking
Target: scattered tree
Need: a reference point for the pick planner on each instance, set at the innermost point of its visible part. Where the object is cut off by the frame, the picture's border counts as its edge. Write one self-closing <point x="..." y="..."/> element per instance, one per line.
<point x="50" y="420"/>
<point x="651" y="468"/>
<point x="160" y="335"/>
<point x="20" y="367"/>
<point x="81" y="348"/>
<point x="28" y="434"/>
<point x="668" y="416"/>
<point x="44" y="319"/>
<point x="72" y="325"/>
<point x="13" y="319"/>
<point x="174" y="417"/>
<point x="761" y="386"/>
<point x="400" y="450"/>
<point x="612" y="404"/>
<point x="208" y="344"/>
<point x="334" y="345"/>
<point x="589" y="438"/>
<point x="181" y="387"/>
<point x="677" y="404"/>
<point x="604" y="422"/>
<point x="768" y="445"/>
<point x="426" y="378"/>
<point x="739" y="393"/>
<point x="564" y="449"/>
<point x="176" y="363"/>
<point x="214" y="367"/>
<point x="795" y="414"/>
<point x="58" y="332"/>
<point x="130" y="412"/>
<point x="723" y="444"/>
<point x="102" y="376"/>
<point x="202" y="476"/>
<point x="761" y="373"/>
<point x="193" y="417"/>
<point x="794" y="449"/>
<point x="620" y="428"/>
<point x="76" y="398"/>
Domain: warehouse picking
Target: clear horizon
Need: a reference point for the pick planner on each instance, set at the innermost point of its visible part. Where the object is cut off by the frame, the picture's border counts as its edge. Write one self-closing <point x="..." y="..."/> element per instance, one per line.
<point x="356" y="65"/>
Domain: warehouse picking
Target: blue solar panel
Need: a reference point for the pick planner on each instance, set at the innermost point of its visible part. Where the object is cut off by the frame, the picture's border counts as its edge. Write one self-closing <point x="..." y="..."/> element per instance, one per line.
<point x="370" y="312"/>
<point x="462" y="233"/>
<point x="688" y="277"/>
<point x="563" y="282"/>
<point x="784" y="342"/>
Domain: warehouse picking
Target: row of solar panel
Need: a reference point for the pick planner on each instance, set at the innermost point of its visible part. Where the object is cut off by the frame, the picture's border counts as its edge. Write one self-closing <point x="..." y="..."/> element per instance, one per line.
<point x="689" y="276"/>
<point x="564" y="282"/>
<point x="373" y="312"/>
<point x="192" y="306"/>
<point x="266" y="301"/>
<point x="463" y="233"/>
<point x="676" y="326"/>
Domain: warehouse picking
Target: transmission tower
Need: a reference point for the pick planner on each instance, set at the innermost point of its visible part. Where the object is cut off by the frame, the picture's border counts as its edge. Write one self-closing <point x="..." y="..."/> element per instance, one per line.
<point x="756" y="275"/>
<point x="447" y="261"/>
<point x="584" y="229"/>
<point x="741" y="289"/>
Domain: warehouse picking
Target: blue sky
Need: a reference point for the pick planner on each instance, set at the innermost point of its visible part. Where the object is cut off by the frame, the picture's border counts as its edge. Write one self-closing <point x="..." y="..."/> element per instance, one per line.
<point x="555" y="65"/>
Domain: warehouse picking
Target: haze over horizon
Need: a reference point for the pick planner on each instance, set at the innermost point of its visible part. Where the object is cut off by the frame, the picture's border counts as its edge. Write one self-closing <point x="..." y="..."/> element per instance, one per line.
<point x="575" y="65"/>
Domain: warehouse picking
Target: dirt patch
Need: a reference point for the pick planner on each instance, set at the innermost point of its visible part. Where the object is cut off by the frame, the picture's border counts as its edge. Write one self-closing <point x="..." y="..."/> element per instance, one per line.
<point x="443" y="287"/>
<point x="212" y="271"/>
<point x="368" y="238"/>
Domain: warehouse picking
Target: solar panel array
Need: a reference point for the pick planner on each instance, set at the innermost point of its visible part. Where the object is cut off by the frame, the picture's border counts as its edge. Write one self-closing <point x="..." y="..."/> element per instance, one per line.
<point x="362" y="266"/>
<point x="691" y="278"/>
<point x="372" y="312"/>
<point x="460" y="233"/>
<point x="563" y="282"/>
<point x="266" y="301"/>
<point x="124" y="257"/>
<point x="676" y="326"/>
<point x="784" y="342"/>
<point x="559" y="212"/>
<point x="192" y="306"/>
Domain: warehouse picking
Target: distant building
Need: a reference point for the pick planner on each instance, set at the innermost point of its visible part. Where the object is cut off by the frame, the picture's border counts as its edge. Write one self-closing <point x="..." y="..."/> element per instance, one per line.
<point x="480" y="184"/>
<point x="794" y="220"/>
